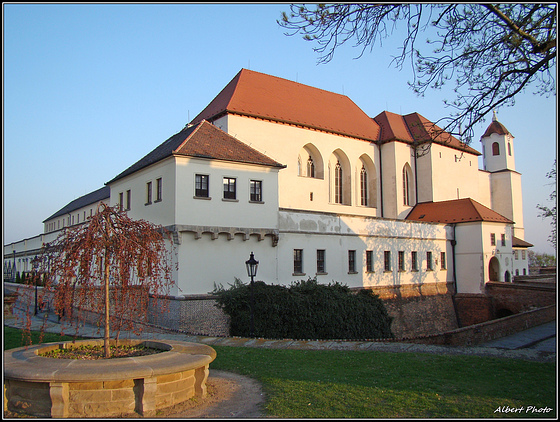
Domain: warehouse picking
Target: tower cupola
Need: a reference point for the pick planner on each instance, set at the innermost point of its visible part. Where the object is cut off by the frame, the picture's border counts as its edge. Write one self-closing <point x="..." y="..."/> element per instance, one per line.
<point x="497" y="147"/>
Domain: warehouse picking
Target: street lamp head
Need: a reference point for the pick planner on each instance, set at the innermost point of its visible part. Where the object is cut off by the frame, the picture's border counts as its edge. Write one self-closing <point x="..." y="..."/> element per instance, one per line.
<point x="252" y="265"/>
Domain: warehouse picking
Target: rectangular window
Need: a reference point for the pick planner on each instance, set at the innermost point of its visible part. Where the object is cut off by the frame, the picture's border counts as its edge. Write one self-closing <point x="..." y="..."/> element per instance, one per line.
<point x="159" y="189"/>
<point x="443" y="262"/>
<point x="493" y="239"/>
<point x="201" y="186"/>
<point x="298" y="261"/>
<point x="387" y="260"/>
<point x="429" y="264"/>
<point x="523" y="255"/>
<point x="256" y="190"/>
<point x="121" y="201"/>
<point x="321" y="261"/>
<point x="369" y="261"/>
<point x="414" y="260"/>
<point x="503" y="239"/>
<point x="516" y="254"/>
<point x="128" y="200"/>
<point x="148" y="193"/>
<point x="351" y="261"/>
<point x="401" y="260"/>
<point x="229" y="188"/>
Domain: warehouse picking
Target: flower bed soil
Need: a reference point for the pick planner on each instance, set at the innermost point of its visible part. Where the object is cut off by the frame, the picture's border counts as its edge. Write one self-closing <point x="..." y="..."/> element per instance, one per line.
<point x="98" y="352"/>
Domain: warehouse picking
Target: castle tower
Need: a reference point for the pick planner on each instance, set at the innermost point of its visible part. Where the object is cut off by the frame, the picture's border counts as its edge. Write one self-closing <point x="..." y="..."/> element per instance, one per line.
<point x="497" y="147"/>
<point x="505" y="182"/>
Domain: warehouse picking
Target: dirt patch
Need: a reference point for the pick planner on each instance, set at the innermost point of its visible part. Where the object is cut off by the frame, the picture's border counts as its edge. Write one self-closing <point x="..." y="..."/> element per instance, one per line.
<point x="229" y="396"/>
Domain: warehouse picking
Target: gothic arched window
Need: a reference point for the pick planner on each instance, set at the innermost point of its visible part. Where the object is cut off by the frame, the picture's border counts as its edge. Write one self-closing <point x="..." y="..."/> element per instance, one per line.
<point x="363" y="187"/>
<point x="338" y="183"/>
<point x="310" y="167"/>
<point x="406" y="187"/>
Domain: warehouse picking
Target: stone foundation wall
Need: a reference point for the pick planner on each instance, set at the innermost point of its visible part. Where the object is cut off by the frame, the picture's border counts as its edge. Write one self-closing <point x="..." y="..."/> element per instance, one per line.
<point x="419" y="309"/>
<point x="474" y="308"/>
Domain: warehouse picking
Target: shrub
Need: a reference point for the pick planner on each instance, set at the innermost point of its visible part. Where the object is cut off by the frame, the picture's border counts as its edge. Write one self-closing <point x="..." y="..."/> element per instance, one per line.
<point x="304" y="310"/>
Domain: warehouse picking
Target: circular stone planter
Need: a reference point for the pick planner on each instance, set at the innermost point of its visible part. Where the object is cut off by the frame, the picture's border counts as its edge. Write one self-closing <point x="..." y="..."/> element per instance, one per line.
<point x="71" y="388"/>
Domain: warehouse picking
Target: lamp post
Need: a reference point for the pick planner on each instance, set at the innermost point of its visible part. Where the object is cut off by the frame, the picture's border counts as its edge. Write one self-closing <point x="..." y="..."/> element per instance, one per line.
<point x="252" y="265"/>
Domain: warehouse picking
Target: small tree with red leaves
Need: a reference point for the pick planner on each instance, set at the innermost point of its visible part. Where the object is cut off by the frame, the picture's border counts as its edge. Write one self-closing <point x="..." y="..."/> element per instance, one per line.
<point x="109" y="266"/>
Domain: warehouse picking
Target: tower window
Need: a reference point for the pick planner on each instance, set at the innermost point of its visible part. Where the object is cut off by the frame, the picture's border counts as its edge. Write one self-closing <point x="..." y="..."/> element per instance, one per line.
<point x="495" y="148"/>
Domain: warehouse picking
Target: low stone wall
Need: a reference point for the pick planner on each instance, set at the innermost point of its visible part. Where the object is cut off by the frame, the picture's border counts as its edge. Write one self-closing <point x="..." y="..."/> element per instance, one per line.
<point x="490" y="330"/>
<point x="67" y="388"/>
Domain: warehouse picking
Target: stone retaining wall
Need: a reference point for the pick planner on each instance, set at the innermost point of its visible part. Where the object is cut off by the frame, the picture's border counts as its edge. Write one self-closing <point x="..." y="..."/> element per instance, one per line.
<point x="67" y="388"/>
<point x="489" y="330"/>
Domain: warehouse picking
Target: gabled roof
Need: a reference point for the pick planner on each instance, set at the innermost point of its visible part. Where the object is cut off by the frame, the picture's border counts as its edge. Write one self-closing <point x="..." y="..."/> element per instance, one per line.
<point x="416" y="129"/>
<point x="464" y="210"/>
<point x="83" y="201"/>
<point x="268" y="97"/>
<point x="203" y="140"/>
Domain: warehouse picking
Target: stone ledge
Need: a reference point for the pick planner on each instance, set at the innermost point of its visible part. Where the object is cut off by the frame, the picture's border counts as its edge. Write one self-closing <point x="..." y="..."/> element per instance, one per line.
<point x="115" y="386"/>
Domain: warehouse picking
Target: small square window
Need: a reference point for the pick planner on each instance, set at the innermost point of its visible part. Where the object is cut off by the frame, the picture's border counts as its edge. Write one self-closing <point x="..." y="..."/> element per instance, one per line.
<point x="401" y="260"/>
<point x="351" y="261"/>
<point x="159" y="189"/>
<point x="387" y="260"/>
<point x="201" y="189"/>
<point x="230" y="190"/>
<point x="414" y="260"/>
<point x="255" y="190"/>
<point x="148" y="193"/>
<point x="321" y="268"/>
<point x="298" y="261"/>
<point x="369" y="261"/>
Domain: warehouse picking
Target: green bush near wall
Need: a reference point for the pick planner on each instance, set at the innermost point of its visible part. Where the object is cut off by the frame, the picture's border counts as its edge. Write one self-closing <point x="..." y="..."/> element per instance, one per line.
<point x="304" y="310"/>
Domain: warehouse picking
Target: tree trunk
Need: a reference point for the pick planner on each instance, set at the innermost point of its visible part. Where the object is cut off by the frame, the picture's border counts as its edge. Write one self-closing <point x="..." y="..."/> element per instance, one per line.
<point x="106" y="334"/>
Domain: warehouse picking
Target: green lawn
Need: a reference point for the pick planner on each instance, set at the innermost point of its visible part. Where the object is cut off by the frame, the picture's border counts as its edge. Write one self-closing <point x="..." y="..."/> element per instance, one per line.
<point x="16" y="338"/>
<point x="338" y="384"/>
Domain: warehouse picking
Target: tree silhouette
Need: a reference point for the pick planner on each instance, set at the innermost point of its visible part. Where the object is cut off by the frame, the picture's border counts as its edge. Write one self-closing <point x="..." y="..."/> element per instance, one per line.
<point x="490" y="52"/>
<point x="110" y="265"/>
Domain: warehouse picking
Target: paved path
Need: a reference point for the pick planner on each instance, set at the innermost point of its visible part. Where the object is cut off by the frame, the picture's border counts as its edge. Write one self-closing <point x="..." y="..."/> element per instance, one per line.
<point x="538" y="343"/>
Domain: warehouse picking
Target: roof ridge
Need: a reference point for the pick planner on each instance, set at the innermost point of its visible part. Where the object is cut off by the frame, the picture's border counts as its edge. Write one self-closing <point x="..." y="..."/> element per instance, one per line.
<point x="197" y="127"/>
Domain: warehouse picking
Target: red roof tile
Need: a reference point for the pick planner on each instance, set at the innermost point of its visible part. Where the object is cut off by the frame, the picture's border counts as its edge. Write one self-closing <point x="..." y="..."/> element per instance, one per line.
<point x="263" y="96"/>
<point x="207" y="141"/>
<point x="203" y="140"/>
<point x="495" y="127"/>
<point x="455" y="211"/>
<point x="519" y="243"/>
<point x="415" y="128"/>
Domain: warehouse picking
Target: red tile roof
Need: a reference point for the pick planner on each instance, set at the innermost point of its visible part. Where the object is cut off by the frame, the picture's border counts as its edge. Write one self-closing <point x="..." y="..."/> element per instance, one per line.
<point x="519" y="243"/>
<point x="415" y="128"/>
<point x="203" y="140"/>
<point x="268" y="97"/>
<point x="207" y="141"/>
<point x="495" y="127"/>
<point x="455" y="211"/>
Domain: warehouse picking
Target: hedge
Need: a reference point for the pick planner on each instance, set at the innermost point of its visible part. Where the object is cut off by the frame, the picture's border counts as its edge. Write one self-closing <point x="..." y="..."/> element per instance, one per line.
<point x="304" y="310"/>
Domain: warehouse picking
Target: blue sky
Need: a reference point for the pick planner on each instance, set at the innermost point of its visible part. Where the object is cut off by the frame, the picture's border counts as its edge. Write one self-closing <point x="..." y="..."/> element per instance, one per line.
<point x="91" y="88"/>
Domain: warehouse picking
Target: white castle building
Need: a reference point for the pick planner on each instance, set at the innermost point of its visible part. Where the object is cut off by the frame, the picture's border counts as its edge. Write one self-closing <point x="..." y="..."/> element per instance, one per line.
<point x="315" y="187"/>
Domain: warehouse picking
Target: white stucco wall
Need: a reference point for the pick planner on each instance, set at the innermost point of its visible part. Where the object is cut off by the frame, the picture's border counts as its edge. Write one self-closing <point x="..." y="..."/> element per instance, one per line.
<point x="284" y="143"/>
<point x="162" y="213"/>
<point x="474" y="252"/>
